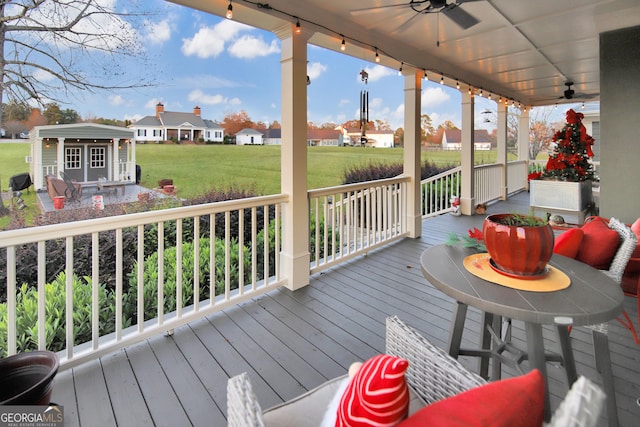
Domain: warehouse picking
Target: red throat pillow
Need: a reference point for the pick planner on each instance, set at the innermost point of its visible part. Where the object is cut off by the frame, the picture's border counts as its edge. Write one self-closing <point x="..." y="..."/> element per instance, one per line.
<point x="568" y="243"/>
<point x="513" y="402"/>
<point x="599" y="244"/>
<point x="377" y="395"/>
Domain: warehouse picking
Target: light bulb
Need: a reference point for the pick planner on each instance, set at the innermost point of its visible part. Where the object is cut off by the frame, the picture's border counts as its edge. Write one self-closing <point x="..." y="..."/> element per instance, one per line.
<point x="457" y="85"/>
<point x="298" y="29"/>
<point x="343" y="46"/>
<point x="442" y="80"/>
<point x="229" y="11"/>
<point x="377" y="56"/>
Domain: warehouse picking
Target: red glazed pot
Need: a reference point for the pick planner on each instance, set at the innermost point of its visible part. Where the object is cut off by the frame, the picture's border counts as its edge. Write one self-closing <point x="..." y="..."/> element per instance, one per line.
<point x="27" y="378"/>
<point x="518" y="250"/>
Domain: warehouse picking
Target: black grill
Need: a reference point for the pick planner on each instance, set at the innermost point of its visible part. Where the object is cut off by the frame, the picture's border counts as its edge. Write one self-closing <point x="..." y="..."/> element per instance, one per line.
<point x="20" y="182"/>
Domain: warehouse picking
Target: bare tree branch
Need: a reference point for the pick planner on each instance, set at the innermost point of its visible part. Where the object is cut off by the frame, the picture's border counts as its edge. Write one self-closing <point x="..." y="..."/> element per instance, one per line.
<point x="51" y="50"/>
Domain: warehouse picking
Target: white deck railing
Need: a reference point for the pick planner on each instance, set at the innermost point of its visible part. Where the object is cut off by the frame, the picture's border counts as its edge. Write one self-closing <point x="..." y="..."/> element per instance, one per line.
<point x="236" y="274"/>
<point x="185" y="278"/>
<point x="350" y="220"/>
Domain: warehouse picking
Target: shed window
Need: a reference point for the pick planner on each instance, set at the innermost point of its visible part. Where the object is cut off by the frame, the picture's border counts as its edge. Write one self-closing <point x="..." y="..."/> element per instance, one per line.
<point x="73" y="158"/>
<point x="97" y="157"/>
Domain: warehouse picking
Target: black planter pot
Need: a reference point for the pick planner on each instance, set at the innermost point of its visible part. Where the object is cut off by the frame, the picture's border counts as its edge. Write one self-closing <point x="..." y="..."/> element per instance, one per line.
<point x="27" y="378"/>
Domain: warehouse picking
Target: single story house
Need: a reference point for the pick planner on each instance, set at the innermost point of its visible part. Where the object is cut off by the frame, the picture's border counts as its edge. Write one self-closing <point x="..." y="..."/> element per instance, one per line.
<point x="324" y="138"/>
<point x="166" y="125"/>
<point x="249" y="137"/>
<point x="375" y="138"/>
<point x="452" y="139"/>
<point x="84" y="151"/>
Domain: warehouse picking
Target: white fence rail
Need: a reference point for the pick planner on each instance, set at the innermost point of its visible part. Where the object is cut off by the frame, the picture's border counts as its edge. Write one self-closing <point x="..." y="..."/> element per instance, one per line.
<point x="353" y="219"/>
<point x="183" y="277"/>
<point x="437" y="192"/>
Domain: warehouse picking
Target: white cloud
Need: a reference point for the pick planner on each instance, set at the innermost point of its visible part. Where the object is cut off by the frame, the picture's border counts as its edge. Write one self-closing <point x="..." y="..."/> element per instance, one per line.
<point x="42" y="75"/>
<point x="158" y="32"/>
<point x="200" y="97"/>
<point x="432" y="97"/>
<point x="209" y="42"/>
<point x="343" y="102"/>
<point x="133" y="118"/>
<point x="116" y="100"/>
<point x="315" y="70"/>
<point x="249" y="47"/>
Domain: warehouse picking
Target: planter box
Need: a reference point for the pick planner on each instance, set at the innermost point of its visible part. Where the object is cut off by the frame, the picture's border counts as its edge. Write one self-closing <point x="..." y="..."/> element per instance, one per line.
<point x="561" y="197"/>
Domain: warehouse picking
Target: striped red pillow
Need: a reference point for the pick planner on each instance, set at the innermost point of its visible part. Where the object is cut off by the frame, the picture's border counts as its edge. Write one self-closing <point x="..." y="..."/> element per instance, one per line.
<point x="377" y="395"/>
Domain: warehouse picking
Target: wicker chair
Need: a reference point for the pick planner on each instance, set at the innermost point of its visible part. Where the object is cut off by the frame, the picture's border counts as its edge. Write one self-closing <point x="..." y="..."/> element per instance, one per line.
<point x="432" y="375"/>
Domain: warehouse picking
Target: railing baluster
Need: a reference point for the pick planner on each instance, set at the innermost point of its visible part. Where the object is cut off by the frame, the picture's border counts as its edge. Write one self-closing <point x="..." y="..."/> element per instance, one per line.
<point x="179" y="259"/>
<point x="196" y="263"/>
<point x="95" y="285"/>
<point x="160" y="284"/>
<point x="11" y="301"/>
<point x="118" y="284"/>
<point x="241" y="251"/>
<point x="42" y="316"/>
<point x="69" y="296"/>
<point x="140" y="272"/>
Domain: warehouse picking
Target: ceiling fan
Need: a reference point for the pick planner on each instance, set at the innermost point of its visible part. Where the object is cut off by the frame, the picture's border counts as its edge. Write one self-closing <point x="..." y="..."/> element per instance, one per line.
<point x="451" y="9"/>
<point x="571" y="94"/>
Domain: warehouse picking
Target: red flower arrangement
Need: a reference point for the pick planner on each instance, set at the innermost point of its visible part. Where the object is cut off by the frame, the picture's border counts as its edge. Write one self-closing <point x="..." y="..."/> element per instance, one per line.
<point x="570" y="158"/>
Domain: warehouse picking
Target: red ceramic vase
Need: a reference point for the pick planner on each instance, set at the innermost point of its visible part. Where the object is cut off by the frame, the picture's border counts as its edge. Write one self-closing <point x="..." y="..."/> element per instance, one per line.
<point x="518" y="250"/>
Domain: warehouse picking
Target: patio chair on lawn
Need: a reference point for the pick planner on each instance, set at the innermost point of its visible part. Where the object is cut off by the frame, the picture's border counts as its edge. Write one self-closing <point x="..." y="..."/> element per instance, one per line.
<point x="73" y="192"/>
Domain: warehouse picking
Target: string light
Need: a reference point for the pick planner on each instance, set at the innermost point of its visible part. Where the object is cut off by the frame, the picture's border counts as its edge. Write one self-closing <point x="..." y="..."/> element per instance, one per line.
<point x="400" y="69"/>
<point x="489" y="97"/>
<point x="425" y="75"/>
<point x="343" y="45"/>
<point x="229" y="11"/>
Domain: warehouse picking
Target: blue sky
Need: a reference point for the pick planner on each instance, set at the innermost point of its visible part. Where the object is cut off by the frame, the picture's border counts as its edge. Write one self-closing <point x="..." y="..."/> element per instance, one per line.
<point x="224" y="66"/>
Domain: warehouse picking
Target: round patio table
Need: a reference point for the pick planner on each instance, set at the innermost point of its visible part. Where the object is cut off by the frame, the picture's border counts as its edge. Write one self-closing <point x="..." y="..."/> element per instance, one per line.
<point x="592" y="298"/>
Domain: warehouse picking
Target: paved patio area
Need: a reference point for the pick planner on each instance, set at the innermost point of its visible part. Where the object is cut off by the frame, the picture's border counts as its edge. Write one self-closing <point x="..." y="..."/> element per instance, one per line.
<point x="128" y="194"/>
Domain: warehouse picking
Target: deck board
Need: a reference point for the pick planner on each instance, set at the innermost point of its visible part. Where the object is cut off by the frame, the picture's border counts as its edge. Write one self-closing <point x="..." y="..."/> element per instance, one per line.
<point x="289" y="342"/>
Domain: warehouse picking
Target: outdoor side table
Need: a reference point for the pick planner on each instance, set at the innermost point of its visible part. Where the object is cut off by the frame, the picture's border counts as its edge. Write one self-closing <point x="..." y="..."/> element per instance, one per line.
<point x="592" y="298"/>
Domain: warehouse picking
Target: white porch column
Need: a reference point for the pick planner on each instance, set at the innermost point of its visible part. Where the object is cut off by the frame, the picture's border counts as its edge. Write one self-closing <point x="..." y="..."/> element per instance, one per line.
<point x="523" y="135"/>
<point x="115" y="175"/>
<point x="412" y="149"/>
<point x="293" y="157"/>
<point x="523" y="141"/>
<point x="502" y="148"/>
<point x="468" y="197"/>
<point x="132" y="152"/>
<point x="60" y="156"/>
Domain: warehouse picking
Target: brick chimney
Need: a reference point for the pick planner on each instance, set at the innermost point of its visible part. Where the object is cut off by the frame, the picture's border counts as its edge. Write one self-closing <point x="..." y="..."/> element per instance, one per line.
<point x="196" y="111"/>
<point x="159" y="109"/>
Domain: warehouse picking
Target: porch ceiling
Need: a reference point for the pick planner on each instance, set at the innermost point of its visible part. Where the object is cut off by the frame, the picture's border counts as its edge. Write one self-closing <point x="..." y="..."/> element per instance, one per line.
<point x="524" y="50"/>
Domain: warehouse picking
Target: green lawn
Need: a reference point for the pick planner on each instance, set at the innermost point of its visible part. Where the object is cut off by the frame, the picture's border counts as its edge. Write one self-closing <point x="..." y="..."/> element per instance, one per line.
<point x="198" y="168"/>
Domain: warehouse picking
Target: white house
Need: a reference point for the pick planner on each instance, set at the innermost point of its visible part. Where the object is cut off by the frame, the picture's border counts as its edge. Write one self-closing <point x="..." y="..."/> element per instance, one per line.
<point x="84" y="151"/>
<point x="374" y="138"/>
<point x="452" y="139"/>
<point x="166" y="125"/>
<point x="249" y="137"/>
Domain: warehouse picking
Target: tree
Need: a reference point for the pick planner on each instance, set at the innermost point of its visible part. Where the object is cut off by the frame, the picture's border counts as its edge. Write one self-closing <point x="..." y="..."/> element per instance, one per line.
<point x="235" y="122"/>
<point x="52" y="49"/>
<point x="426" y="127"/>
<point x="540" y="130"/>
<point x="52" y="113"/>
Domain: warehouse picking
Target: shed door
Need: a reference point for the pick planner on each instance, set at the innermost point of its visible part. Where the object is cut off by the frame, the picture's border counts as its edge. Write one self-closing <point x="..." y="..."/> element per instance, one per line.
<point x="73" y="159"/>
<point x="97" y="162"/>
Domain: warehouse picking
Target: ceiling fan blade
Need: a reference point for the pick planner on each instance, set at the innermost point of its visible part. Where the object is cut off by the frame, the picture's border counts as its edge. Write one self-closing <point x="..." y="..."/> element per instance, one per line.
<point x="405" y="24"/>
<point x="377" y="9"/>
<point x="463" y="19"/>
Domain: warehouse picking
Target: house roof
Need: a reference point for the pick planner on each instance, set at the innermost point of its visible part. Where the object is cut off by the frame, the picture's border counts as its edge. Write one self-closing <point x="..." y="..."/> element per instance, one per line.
<point x="175" y="120"/>
<point x="275" y="133"/>
<point x="323" y="134"/>
<point x="248" y="131"/>
<point x="82" y="131"/>
<point x="455" y="135"/>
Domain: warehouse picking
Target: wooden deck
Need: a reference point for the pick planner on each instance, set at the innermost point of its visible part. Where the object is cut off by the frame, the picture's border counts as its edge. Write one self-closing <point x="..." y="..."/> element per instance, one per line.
<point x="290" y="342"/>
